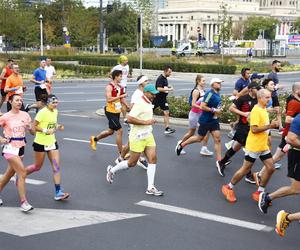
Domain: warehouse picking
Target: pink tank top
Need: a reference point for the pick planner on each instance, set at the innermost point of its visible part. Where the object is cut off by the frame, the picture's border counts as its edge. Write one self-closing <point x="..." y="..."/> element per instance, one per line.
<point x="198" y="102"/>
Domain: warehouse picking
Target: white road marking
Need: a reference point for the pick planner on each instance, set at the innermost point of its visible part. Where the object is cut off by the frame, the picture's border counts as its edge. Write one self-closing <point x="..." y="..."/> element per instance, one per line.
<point x="72" y="115"/>
<point x="85" y="141"/>
<point x="42" y="220"/>
<point x="206" y="216"/>
<point x="71" y="101"/>
<point x="28" y="181"/>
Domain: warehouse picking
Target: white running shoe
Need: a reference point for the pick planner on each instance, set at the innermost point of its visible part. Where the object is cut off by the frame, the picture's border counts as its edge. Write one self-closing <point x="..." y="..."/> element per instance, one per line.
<point x="182" y="151"/>
<point x="204" y="151"/>
<point x="109" y="175"/>
<point x="26" y="207"/>
<point x="154" y="191"/>
<point x="1" y="202"/>
<point x="118" y="160"/>
<point x="277" y="165"/>
<point x="229" y="144"/>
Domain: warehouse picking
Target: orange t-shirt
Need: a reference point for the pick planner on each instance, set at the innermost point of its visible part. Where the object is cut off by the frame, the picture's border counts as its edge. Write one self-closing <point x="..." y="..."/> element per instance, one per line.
<point x="15" y="81"/>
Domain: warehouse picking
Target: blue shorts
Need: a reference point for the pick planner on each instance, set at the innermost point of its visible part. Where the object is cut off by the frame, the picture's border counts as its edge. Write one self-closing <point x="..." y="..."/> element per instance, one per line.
<point x="208" y="127"/>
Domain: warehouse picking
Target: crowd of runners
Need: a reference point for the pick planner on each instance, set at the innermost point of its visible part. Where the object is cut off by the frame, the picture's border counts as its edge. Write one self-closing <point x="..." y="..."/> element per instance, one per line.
<point x="254" y="98"/>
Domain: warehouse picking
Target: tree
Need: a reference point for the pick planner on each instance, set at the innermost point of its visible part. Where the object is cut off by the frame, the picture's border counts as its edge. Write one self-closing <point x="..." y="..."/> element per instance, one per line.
<point x="225" y="23"/>
<point x="147" y="8"/>
<point x="296" y="26"/>
<point x="255" y="23"/>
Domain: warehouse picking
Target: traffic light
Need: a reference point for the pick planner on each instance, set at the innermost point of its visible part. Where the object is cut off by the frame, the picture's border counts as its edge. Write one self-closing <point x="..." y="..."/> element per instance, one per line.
<point x="109" y="8"/>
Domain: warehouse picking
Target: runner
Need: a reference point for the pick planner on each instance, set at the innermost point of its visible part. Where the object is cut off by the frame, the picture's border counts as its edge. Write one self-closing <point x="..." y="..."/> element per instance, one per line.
<point x="141" y="139"/>
<point x="160" y="100"/>
<point x="256" y="147"/>
<point x="124" y="67"/>
<point x="209" y="121"/>
<point x="15" y="123"/>
<point x="283" y="220"/>
<point x="255" y="77"/>
<point x="114" y="97"/>
<point x="14" y="85"/>
<point x="195" y="99"/>
<point x="293" y="138"/>
<point x="45" y="143"/>
<point x="242" y="107"/>
<point x="6" y="72"/>
<point x="50" y="74"/>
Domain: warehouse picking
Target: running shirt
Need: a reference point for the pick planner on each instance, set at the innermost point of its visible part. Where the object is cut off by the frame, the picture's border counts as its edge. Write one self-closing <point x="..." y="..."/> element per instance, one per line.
<point x="295" y="126"/>
<point x="274" y="76"/>
<point x="141" y="110"/>
<point x="136" y="96"/>
<point x="8" y="72"/>
<point x="14" y="126"/>
<point x="47" y="120"/>
<point x="125" y="72"/>
<point x="39" y="75"/>
<point x="50" y="72"/>
<point x="15" y="81"/>
<point x="292" y="109"/>
<point x="198" y="102"/>
<point x="161" y="82"/>
<point x="115" y="106"/>
<point x="213" y="100"/>
<point x="245" y="104"/>
<point x="258" y="142"/>
<point x="241" y="84"/>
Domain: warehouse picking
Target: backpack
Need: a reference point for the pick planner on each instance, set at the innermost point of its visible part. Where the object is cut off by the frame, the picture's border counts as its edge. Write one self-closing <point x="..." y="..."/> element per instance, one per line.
<point x="191" y="96"/>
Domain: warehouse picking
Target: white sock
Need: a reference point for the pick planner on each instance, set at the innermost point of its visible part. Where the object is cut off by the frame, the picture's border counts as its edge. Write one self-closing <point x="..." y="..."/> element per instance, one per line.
<point x="230" y="185"/>
<point x="261" y="189"/>
<point x="151" y="174"/>
<point x="120" y="166"/>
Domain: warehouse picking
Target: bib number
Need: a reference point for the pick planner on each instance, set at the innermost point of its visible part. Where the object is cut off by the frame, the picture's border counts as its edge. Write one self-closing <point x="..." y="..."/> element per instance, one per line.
<point x="43" y="86"/>
<point x="118" y="105"/>
<point x="9" y="149"/>
<point x="50" y="147"/>
<point x="143" y="135"/>
<point x="19" y="90"/>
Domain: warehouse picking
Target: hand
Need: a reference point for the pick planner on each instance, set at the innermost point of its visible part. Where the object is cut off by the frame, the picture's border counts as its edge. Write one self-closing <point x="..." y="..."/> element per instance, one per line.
<point x="246" y="114"/>
<point x="151" y="122"/>
<point x="218" y="111"/>
<point x="170" y="88"/>
<point x="4" y="140"/>
<point x="60" y="127"/>
<point x="274" y="124"/>
<point x="124" y="95"/>
<point x="50" y="131"/>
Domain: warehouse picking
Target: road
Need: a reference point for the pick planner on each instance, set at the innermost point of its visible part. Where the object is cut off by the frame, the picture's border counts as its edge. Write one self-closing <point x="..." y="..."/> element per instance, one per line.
<point x="192" y="215"/>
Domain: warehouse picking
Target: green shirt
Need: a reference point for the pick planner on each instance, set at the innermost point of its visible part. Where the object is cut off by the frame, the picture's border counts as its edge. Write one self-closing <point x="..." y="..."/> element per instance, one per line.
<point x="47" y="120"/>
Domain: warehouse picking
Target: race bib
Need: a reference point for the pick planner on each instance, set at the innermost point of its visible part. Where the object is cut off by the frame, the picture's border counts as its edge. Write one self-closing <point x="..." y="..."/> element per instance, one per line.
<point x="118" y="105"/>
<point x="19" y="90"/>
<point x="43" y="86"/>
<point x="143" y="135"/>
<point x="9" y="149"/>
<point x="50" y="147"/>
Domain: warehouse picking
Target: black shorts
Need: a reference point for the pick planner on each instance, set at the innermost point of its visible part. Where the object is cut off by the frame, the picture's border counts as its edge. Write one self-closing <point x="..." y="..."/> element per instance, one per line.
<point x="241" y="134"/>
<point x="162" y="103"/>
<point x="113" y="120"/>
<point x="3" y="93"/>
<point x="282" y="143"/>
<point x="275" y="101"/>
<point x="21" y="151"/>
<point x="41" y="94"/>
<point x="294" y="164"/>
<point x="205" y="127"/>
<point x="41" y="148"/>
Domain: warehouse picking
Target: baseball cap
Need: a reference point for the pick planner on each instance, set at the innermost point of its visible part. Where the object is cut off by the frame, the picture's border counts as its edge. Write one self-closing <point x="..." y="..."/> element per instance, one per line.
<point x="213" y="80"/>
<point x="254" y="85"/>
<point x="151" y="88"/>
<point x="256" y="76"/>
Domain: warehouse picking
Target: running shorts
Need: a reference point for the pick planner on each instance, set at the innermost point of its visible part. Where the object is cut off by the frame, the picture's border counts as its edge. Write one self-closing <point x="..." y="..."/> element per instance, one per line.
<point x="241" y="134"/>
<point x="138" y="146"/>
<point x="208" y="127"/>
<point x="294" y="164"/>
<point x="113" y="120"/>
<point x="21" y="151"/>
<point x="41" y="94"/>
<point x="262" y="155"/>
<point x="162" y="103"/>
<point x="3" y="93"/>
<point x="42" y="148"/>
<point x="193" y="119"/>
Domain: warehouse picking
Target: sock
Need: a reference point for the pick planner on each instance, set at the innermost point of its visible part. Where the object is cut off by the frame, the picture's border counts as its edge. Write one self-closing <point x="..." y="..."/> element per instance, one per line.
<point x="151" y="175"/>
<point x="120" y="166"/>
<point x="229" y="153"/>
<point x="261" y="189"/>
<point x="57" y="187"/>
<point x="230" y="185"/>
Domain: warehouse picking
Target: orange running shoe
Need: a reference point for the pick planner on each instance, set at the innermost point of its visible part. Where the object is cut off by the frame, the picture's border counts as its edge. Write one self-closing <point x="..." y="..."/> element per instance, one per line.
<point x="255" y="195"/>
<point x="281" y="223"/>
<point x="93" y="143"/>
<point x="228" y="193"/>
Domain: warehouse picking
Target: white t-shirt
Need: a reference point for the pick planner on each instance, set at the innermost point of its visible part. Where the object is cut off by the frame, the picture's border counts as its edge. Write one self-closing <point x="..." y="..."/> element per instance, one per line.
<point x="137" y="94"/>
<point x="125" y="72"/>
<point x="50" y="72"/>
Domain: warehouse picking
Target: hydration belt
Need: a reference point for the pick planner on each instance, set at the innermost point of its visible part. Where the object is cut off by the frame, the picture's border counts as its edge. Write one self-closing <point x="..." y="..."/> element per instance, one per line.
<point x="17" y="139"/>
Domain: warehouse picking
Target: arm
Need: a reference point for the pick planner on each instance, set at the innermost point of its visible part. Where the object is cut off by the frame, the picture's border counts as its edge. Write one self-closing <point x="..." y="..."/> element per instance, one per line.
<point x="289" y="119"/>
<point x="195" y="96"/>
<point x="7" y="87"/>
<point x="42" y="130"/>
<point x="109" y="98"/>
<point x="135" y="121"/>
<point x="123" y="101"/>
<point x="256" y="129"/>
<point x="293" y="139"/>
<point x="164" y="90"/>
<point x="205" y="107"/>
<point x="243" y="92"/>
<point x="233" y="108"/>
<point x="3" y="74"/>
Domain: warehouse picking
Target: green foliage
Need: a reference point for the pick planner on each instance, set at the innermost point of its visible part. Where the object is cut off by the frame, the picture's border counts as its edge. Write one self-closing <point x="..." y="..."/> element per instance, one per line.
<point x="254" y="23"/>
<point x="296" y="26"/>
<point x="226" y="23"/>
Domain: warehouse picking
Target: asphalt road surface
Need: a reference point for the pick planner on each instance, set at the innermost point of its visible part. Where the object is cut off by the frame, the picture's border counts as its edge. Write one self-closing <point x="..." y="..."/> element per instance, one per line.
<point x="192" y="214"/>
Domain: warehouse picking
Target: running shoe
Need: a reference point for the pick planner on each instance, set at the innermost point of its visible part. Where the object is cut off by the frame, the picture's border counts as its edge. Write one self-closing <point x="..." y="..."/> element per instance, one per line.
<point x="155" y="192"/>
<point x="25" y="207"/>
<point x="277" y="165"/>
<point x="142" y="162"/>
<point x="109" y="175"/>
<point x="229" y="144"/>
<point x="93" y="143"/>
<point x="221" y="168"/>
<point x="169" y="130"/>
<point x="178" y="149"/>
<point x="182" y="151"/>
<point x="118" y="160"/>
<point x="60" y="196"/>
<point x="26" y="109"/>
<point x="1" y="202"/>
<point x="264" y="202"/>
<point x="282" y="223"/>
<point x="255" y="195"/>
<point x="250" y="179"/>
<point x="228" y="193"/>
<point x="204" y="151"/>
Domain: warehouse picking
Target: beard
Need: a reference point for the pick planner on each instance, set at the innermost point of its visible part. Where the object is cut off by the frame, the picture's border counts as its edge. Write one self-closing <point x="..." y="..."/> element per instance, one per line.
<point x="217" y="89"/>
<point x="277" y="69"/>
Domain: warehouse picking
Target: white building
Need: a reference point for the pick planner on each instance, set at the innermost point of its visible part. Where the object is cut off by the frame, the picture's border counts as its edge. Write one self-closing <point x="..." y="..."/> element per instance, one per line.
<point x="181" y="19"/>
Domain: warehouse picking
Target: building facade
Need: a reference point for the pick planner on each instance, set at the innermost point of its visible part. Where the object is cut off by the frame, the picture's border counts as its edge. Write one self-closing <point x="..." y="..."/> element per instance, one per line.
<point x="181" y="20"/>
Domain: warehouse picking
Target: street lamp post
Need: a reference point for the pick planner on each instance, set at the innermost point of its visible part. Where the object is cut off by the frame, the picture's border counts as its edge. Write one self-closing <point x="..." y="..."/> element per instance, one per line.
<point x="41" y="28"/>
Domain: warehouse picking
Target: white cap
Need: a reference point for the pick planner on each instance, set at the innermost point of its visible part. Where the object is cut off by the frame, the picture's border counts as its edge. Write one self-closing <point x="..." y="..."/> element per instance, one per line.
<point x="213" y="80"/>
<point x="143" y="79"/>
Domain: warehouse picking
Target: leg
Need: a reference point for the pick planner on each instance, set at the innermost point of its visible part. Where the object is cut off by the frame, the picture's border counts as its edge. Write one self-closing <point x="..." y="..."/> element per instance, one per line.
<point x="217" y="138"/>
<point x="119" y="139"/>
<point x="54" y="159"/>
<point x="205" y="140"/>
<point x="293" y="189"/>
<point x="190" y="133"/>
<point x="6" y="177"/>
<point x="104" y="134"/>
<point x="269" y="170"/>
<point x="247" y="165"/>
<point x="192" y="139"/>
<point x="166" y="118"/>
<point x="39" y="161"/>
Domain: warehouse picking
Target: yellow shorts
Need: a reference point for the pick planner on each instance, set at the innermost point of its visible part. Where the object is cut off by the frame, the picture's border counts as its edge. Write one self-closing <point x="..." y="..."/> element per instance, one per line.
<point x="138" y="146"/>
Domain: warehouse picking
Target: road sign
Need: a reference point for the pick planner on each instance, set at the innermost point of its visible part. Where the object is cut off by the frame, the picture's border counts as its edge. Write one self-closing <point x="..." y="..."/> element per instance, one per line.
<point x="198" y="29"/>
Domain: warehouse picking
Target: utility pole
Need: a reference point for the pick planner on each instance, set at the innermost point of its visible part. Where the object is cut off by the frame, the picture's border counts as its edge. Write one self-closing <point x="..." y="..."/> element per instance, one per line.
<point x="141" y="43"/>
<point x="101" y="27"/>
